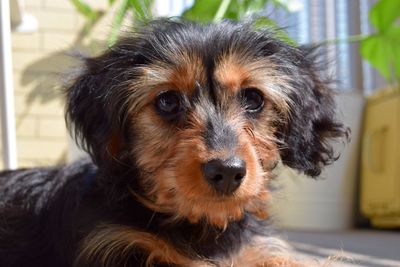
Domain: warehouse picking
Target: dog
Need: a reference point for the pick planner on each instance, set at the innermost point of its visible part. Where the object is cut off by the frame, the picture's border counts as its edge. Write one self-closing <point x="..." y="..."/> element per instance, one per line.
<point x="184" y="124"/>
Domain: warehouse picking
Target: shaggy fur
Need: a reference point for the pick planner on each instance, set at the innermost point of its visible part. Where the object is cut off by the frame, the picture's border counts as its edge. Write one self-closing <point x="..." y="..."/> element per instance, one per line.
<point x="153" y="112"/>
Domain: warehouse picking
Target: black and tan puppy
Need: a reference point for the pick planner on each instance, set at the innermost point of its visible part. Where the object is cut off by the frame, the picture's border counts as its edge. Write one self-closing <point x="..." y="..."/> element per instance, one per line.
<point x="184" y="124"/>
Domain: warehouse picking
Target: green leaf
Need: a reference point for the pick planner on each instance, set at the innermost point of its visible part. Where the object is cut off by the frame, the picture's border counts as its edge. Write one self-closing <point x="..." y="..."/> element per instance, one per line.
<point x="117" y="22"/>
<point x="377" y="51"/>
<point x="223" y="7"/>
<point x="85" y="9"/>
<point x="382" y="49"/>
<point x="235" y="10"/>
<point x="202" y="10"/>
<point x="141" y="9"/>
<point x="384" y="13"/>
<point x="111" y="2"/>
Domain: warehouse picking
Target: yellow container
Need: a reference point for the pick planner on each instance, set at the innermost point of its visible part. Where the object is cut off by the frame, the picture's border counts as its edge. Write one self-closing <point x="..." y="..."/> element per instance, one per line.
<point x="380" y="168"/>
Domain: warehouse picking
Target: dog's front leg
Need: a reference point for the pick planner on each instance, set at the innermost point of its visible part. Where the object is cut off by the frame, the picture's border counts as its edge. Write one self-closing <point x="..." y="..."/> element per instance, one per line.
<point x="266" y="252"/>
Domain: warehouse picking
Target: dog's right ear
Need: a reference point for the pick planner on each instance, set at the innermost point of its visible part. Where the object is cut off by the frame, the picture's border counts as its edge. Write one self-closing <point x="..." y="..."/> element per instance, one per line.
<point x="96" y="108"/>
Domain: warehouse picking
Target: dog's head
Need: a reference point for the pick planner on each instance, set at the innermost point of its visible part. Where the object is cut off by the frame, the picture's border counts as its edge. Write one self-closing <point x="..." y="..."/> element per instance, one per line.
<point x="204" y="113"/>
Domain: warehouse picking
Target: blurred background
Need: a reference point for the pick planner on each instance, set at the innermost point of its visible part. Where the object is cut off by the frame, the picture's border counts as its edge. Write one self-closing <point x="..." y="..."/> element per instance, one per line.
<point x="362" y="49"/>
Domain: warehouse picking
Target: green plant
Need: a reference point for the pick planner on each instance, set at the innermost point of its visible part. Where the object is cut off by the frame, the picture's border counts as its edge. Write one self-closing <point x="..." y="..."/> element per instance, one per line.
<point x="201" y="10"/>
<point x="211" y="10"/>
<point x="136" y="9"/>
<point x="382" y="48"/>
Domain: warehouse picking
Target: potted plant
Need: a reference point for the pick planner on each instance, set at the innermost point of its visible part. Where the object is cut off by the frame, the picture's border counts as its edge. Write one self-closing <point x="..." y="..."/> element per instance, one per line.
<point x="380" y="169"/>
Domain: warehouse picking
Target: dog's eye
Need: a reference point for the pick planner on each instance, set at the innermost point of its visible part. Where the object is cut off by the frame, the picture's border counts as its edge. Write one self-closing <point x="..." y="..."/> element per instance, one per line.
<point x="169" y="104"/>
<point x="252" y="100"/>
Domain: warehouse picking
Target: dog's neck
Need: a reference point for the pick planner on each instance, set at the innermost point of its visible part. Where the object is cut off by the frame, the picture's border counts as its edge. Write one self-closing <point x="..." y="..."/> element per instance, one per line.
<point x="191" y="239"/>
<point x="194" y="240"/>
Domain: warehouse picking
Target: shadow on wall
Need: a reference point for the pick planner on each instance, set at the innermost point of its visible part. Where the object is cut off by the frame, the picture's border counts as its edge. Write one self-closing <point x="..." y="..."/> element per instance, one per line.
<point x="40" y="98"/>
<point x="49" y="84"/>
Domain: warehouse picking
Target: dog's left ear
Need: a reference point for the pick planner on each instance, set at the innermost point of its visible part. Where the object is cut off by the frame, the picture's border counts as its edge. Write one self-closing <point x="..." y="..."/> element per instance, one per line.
<point x="306" y="138"/>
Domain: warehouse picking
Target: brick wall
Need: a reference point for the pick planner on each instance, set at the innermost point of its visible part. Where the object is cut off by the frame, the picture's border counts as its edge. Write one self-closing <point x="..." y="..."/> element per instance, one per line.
<point x="39" y="59"/>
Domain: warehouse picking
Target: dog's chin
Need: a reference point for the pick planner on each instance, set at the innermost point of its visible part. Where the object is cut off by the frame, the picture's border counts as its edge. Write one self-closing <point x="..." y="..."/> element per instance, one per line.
<point x="216" y="210"/>
<point x="220" y="211"/>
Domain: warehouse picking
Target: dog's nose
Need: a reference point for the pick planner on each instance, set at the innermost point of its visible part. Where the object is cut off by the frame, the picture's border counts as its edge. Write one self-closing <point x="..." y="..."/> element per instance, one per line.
<point x="225" y="176"/>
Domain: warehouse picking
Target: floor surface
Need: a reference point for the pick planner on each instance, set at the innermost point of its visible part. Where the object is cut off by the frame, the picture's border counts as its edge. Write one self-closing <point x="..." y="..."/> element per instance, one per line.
<point x="355" y="247"/>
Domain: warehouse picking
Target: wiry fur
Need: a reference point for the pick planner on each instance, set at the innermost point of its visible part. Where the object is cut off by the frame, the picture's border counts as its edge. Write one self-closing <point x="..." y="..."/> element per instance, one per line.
<point x="142" y="198"/>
